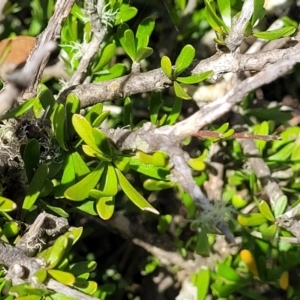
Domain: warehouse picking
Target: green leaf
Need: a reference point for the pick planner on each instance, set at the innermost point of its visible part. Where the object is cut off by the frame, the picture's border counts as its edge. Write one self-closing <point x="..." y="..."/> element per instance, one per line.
<point x="31" y="157"/>
<point x="105" y="207"/>
<point x="40" y="276"/>
<point x="127" y="40"/>
<point x="127" y="114"/>
<point x="175" y="113"/>
<point x="94" y="113"/>
<point x="184" y="59"/>
<point x="212" y="18"/>
<point x="72" y="107"/>
<point x="46" y="98"/>
<point x="155" y="105"/>
<point x="7" y="205"/>
<point x="289" y="22"/>
<point x="109" y="183"/>
<point x="10" y="229"/>
<point x="115" y="71"/>
<point x="166" y="66"/>
<point x="125" y="14"/>
<point x="82" y="267"/>
<point x="252" y="219"/>
<point x="88" y="287"/>
<point x="106" y="55"/>
<point x="180" y="92"/>
<point x="59" y="125"/>
<point x="283" y="154"/>
<point x="84" y="130"/>
<point x="88" y="207"/>
<point x="102" y="142"/>
<point x="263" y="128"/>
<point x="275" y="34"/>
<point x="202" y="246"/>
<point x="35" y="187"/>
<point x="296" y="153"/>
<point x="269" y="232"/>
<point x="202" y="283"/>
<point x="225" y="11"/>
<point x="57" y="251"/>
<point x="195" y="78"/>
<point x="133" y="194"/>
<point x="81" y="189"/>
<point x="258" y="12"/>
<point x="264" y="208"/>
<point x="143" y="53"/>
<point x="20" y="110"/>
<point x="98" y="121"/>
<point x="280" y="205"/>
<point x="144" y="31"/>
<point x="227" y="272"/>
<point x="157" y="185"/>
<point x="148" y="169"/>
<point x="63" y="277"/>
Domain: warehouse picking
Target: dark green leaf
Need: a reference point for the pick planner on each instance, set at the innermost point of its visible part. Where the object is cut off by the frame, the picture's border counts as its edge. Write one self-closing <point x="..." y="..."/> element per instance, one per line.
<point x="202" y="246"/>
<point x="82" y="267"/>
<point x="87" y="287"/>
<point x="155" y="105"/>
<point x="175" y="113"/>
<point x="46" y="98"/>
<point x="258" y="12"/>
<point x="35" y="187"/>
<point x="59" y="125"/>
<point x="31" y="157"/>
<point x="72" y="107"/>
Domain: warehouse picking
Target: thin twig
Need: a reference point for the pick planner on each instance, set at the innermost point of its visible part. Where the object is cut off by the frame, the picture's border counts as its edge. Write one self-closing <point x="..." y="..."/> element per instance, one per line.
<point x="51" y="33"/>
<point x="93" y="47"/>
